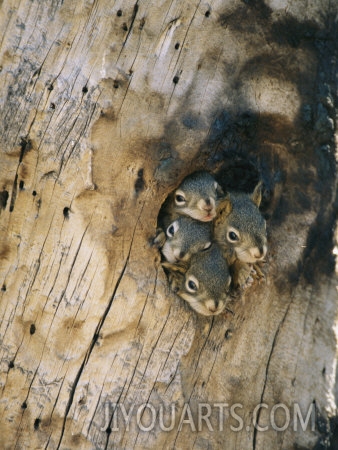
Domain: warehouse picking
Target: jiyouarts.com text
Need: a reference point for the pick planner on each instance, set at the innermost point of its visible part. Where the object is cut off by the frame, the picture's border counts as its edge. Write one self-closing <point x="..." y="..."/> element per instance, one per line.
<point x="204" y="416"/>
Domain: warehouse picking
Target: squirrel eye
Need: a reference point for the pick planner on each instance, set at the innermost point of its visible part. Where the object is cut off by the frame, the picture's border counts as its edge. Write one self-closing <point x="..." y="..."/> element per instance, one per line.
<point x="179" y="199"/>
<point x="232" y="236"/>
<point x="170" y="231"/>
<point x="191" y="285"/>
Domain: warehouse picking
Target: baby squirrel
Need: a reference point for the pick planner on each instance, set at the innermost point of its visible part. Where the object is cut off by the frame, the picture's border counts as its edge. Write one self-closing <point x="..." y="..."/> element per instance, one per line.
<point x="196" y="197"/>
<point x="240" y="230"/>
<point x="186" y="216"/>
<point x="184" y="237"/>
<point x="204" y="282"/>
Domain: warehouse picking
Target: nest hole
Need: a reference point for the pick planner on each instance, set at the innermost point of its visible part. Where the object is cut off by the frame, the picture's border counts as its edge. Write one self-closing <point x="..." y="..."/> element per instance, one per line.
<point x="204" y="238"/>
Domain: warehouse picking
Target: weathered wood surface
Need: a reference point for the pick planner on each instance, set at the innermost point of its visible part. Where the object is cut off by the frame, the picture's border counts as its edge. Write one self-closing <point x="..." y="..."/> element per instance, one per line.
<point x="105" y="107"/>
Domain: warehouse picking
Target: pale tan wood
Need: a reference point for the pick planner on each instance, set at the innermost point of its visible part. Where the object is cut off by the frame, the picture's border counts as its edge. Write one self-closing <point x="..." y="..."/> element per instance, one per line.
<point x="105" y="107"/>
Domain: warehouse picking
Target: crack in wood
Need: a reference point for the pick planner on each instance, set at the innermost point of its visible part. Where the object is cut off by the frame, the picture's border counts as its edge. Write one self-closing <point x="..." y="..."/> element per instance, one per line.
<point x="131" y="24"/>
<point x="178" y="71"/>
<point x="159" y="370"/>
<point x="87" y="355"/>
<point x="14" y="193"/>
<point x="132" y="376"/>
<point x="98" y="404"/>
<point x="203" y="346"/>
<point x="254" y="440"/>
<point x="142" y="312"/>
<point x="71" y="268"/>
<point x="172" y="379"/>
<point x="96" y="335"/>
<point x="25" y="146"/>
<point x="196" y="365"/>
<point x="118" y="401"/>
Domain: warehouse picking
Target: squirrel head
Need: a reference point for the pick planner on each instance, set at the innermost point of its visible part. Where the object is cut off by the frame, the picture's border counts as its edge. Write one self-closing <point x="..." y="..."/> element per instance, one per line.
<point x="204" y="283"/>
<point x="197" y="196"/>
<point x="184" y="237"/>
<point x="240" y="227"/>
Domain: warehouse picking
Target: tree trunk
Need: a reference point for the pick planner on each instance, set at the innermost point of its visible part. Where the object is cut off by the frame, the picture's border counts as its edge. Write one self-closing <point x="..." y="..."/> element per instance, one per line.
<point x="105" y="108"/>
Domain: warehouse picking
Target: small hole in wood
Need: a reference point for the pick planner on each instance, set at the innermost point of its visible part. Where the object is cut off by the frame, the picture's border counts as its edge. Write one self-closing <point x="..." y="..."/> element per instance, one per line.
<point x="52" y="106"/>
<point x="228" y="334"/>
<point x="3" y="288"/>
<point x="207" y="14"/>
<point x="3" y="198"/>
<point x="11" y="364"/>
<point x="177" y="46"/>
<point x="24" y="405"/>
<point x="66" y="211"/>
<point x="21" y="185"/>
<point x="139" y="183"/>
<point x="142" y="23"/>
<point x="34" y="193"/>
<point x="50" y="87"/>
<point x="116" y="84"/>
<point x="124" y="27"/>
<point x="108" y="430"/>
<point x="119" y="13"/>
<point x="85" y="89"/>
<point x="176" y="79"/>
<point x="37" y="423"/>
<point x="32" y="329"/>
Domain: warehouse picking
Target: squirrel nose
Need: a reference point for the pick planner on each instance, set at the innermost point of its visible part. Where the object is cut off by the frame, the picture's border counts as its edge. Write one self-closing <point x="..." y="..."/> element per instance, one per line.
<point x="207" y="206"/>
<point x="259" y="252"/>
<point x="181" y="254"/>
<point x="213" y="308"/>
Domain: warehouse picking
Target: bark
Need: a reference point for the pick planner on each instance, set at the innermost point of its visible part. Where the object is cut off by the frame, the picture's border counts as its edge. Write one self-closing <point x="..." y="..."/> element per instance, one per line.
<point x="105" y="108"/>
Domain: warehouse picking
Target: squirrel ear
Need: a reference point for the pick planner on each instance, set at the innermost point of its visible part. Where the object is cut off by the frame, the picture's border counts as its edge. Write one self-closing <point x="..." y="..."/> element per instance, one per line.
<point x="177" y="268"/>
<point x="225" y="206"/>
<point x="176" y="274"/>
<point x="256" y="196"/>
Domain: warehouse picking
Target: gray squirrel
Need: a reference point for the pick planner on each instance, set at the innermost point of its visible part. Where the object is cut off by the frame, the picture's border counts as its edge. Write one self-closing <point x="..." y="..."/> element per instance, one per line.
<point x="185" y="223"/>
<point x="240" y="230"/>
<point x="197" y="197"/>
<point x="204" y="282"/>
<point x="184" y="237"/>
